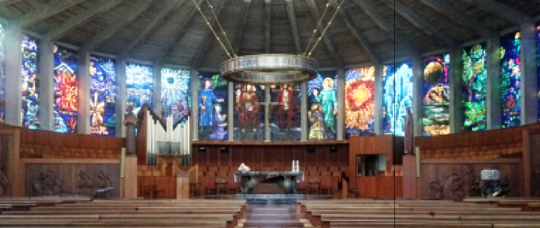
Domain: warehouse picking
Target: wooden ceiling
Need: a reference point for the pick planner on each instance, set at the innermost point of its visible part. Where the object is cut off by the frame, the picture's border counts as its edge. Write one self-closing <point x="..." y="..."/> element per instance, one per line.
<point x="173" y="32"/>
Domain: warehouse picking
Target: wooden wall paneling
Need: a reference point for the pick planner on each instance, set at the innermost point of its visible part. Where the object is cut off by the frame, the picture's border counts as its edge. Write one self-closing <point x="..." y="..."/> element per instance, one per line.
<point x="527" y="162"/>
<point x="142" y="134"/>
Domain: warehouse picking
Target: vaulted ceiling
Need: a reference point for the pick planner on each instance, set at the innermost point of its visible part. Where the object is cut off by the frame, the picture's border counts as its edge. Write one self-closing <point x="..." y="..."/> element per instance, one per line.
<point x="173" y="32"/>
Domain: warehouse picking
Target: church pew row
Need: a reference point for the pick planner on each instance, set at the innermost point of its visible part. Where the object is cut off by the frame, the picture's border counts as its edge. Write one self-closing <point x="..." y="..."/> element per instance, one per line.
<point x="131" y="213"/>
<point x="415" y="214"/>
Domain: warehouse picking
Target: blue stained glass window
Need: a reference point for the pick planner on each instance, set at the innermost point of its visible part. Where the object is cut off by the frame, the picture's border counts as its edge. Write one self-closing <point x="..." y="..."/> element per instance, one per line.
<point x="139" y="86"/>
<point x="398" y="87"/>
<point x="436" y="100"/>
<point x="30" y="83"/>
<point x="175" y="93"/>
<point x="102" y="96"/>
<point x="473" y="77"/>
<point x="511" y="80"/>
<point x="212" y="107"/>
<point x="2" y="73"/>
<point x="66" y="90"/>
<point x="322" y="106"/>
<point x="359" y="101"/>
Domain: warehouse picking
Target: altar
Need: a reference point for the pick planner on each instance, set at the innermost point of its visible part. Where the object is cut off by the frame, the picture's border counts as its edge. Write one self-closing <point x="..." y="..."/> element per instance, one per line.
<point x="287" y="180"/>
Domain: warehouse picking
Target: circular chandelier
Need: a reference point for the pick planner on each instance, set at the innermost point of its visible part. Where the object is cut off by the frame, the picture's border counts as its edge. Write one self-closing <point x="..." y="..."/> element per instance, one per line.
<point x="269" y="68"/>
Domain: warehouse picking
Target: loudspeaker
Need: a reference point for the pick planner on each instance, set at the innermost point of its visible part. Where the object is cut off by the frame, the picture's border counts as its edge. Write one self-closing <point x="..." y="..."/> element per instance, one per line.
<point x="333" y="149"/>
<point x="202" y="149"/>
<point x="224" y="149"/>
<point x="311" y="149"/>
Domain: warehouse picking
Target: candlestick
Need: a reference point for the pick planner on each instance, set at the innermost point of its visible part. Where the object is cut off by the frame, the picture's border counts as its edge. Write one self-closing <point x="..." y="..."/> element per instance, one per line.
<point x="122" y="162"/>
<point x="417" y="156"/>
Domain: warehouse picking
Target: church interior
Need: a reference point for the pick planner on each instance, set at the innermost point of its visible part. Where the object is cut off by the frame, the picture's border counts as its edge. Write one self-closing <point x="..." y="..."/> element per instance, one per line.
<point x="270" y="113"/>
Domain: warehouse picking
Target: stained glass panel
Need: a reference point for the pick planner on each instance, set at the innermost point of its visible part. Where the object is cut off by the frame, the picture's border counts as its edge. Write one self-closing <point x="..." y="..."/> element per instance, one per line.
<point x="322" y="106"/>
<point x="139" y="86"/>
<point x="511" y="80"/>
<point x="249" y="112"/>
<point x="285" y="112"/>
<point x="538" y="64"/>
<point x="398" y="87"/>
<point x="2" y="73"/>
<point x="30" y="83"/>
<point x="359" y="101"/>
<point x="212" y="107"/>
<point x="66" y="90"/>
<point x="436" y="93"/>
<point x="474" y="87"/>
<point x="102" y="96"/>
<point x="175" y="93"/>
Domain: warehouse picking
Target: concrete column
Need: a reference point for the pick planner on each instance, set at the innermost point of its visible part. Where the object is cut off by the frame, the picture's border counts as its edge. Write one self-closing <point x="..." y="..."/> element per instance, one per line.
<point x="194" y="105"/>
<point x="340" y="128"/>
<point x="418" y="81"/>
<point x="157" y="91"/>
<point x="83" y="77"/>
<point x="230" y="110"/>
<point x="493" y="84"/>
<point x="267" y="136"/>
<point x="13" y="93"/>
<point x="303" y="111"/>
<point x="456" y="109"/>
<point x="120" y="97"/>
<point x="46" y="84"/>
<point x="529" y="105"/>
<point x="379" y="93"/>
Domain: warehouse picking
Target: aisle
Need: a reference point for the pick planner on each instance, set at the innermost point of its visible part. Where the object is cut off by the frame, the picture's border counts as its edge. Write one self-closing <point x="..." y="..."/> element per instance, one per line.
<point x="272" y="216"/>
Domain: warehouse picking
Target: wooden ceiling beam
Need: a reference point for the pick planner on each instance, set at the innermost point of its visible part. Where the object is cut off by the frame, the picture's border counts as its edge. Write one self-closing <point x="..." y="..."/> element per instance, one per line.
<point x="268" y="26"/>
<point x="45" y="11"/>
<point x="338" y="61"/>
<point x="170" y="8"/>
<point x="501" y="10"/>
<point x="176" y="34"/>
<point x="355" y="31"/>
<point x="420" y="22"/>
<point x="376" y="17"/>
<point x="240" y="27"/>
<point x="294" y="26"/>
<point x="64" y="28"/>
<point x="202" y="50"/>
<point x="131" y="13"/>
<point x="460" y="17"/>
<point x="8" y="2"/>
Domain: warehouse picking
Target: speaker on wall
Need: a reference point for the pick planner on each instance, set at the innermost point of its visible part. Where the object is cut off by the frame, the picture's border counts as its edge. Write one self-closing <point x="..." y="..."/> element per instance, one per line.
<point x="311" y="149"/>
<point x="224" y="149"/>
<point x="202" y="149"/>
<point x="333" y="149"/>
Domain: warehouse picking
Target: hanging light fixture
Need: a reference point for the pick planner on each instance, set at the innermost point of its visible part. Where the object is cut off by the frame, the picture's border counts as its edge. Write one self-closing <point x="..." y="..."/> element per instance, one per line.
<point x="269" y="68"/>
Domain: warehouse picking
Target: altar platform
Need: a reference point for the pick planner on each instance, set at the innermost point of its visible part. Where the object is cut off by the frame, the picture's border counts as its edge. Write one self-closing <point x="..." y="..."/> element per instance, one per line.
<point x="270" y="199"/>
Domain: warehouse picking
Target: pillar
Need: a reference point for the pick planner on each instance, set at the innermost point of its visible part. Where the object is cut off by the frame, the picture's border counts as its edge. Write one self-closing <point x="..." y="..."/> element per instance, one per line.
<point x="529" y="97"/>
<point x="493" y="84"/>
<point x="157" y="91"/>
<point x="341" y="103"/>
<point x="120" y="97"/>
<point x="267" y="136"/>
<point x="456" y="110"/>
<point x="194" y="104"/>
<point x="46" y="84"/>
<point x="83" y="77"/>
<point x="378" y="97"/>
<point x="417" y="96"/>
<point x="304" y="111"/>
<point x="13" y="63"/>
<point x="230" y="111"/>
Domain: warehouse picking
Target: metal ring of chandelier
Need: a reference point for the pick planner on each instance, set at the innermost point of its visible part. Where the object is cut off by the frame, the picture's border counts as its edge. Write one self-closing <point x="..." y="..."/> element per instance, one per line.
<point x="269" y="69"/>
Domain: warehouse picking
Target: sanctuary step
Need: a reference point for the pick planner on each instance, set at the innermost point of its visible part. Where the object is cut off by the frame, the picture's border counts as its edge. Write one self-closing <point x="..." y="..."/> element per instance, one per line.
<point x="272" y="216"/>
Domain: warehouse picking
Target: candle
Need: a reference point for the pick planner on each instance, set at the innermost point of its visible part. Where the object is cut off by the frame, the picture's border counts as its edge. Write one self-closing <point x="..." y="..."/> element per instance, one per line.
<point x="417" y="152"/>
<point x="122" y="162"/>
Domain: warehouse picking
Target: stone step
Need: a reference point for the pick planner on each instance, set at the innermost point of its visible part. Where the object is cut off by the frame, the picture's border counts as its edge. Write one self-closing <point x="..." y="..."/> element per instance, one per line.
<point x="271" y="216"/>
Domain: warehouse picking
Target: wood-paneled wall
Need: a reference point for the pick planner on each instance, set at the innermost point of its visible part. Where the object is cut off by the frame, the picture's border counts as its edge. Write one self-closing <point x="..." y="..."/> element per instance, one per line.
<point x="277" y="155"/>
<point x="380" y="187"/>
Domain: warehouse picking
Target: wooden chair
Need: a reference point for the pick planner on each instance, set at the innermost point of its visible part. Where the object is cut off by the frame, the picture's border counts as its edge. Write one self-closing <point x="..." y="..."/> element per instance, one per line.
<point x="314" y="185"/>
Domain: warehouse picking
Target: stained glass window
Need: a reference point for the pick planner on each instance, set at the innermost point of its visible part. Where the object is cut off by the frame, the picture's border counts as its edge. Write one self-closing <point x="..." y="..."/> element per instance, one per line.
<point x="66" y="90"/>
<point x="474" y="87"/>
<point x="102" y="96"/>
<point x="322" y="106"/>
<point x="175" y="93"/>
<point x="285" y="112"/>
<point x="248" y="112"/>
<point x="2" y="73"/>
<point x="359" y="101"/>
<point x="212" y="107"/>
<point x="511" y="80"/>
<point x="398" y="87"/>
<point x="436" y="92"/>
<point x="139" y="86"/>
<point x="30" y="83"/>
<point x="538" y="64"/>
